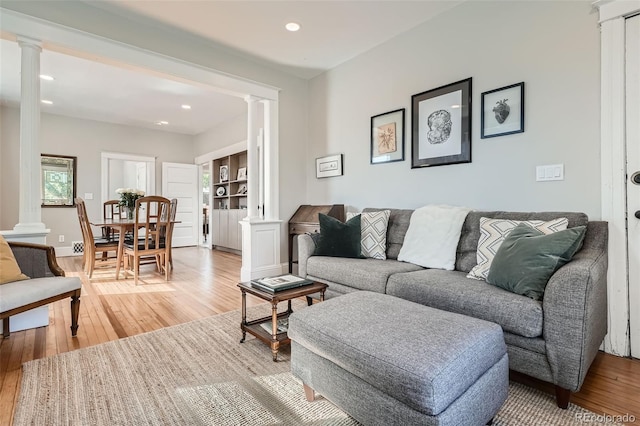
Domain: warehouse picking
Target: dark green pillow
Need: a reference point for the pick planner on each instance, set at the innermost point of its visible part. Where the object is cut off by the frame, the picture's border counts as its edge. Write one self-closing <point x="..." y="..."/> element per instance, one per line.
<point x="527" y="258"/>
<point x="337" y="238"/>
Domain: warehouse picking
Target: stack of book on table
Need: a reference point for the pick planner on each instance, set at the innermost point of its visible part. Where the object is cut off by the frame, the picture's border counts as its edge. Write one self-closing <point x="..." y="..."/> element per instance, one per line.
<point x="279" y="283"/>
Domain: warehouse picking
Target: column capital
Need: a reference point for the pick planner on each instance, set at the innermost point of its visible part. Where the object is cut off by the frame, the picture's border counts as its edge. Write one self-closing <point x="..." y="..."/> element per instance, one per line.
<point x="24" y="41"/>
<point x="251" y="99"/>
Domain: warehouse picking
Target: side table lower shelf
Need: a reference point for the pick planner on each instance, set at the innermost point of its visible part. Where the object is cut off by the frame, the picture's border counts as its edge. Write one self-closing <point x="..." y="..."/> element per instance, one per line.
<point x="255" y="328"/>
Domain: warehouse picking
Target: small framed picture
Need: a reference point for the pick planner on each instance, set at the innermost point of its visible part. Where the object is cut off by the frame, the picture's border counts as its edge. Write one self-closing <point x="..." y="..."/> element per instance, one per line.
<point x="224" y="173"/>
<point x="502" y="111"/>
<point x="242" y="189"/>
<point x="242" y="173"/>
<point x="387" y="137"/>
<point x="329" y="166"/>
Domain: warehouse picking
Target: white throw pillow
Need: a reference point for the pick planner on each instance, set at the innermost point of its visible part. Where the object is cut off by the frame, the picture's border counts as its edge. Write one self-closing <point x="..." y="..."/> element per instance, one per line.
<point x="432" y="238"/>
<point x="494" y="231"/>
<point x="373" y="233"/>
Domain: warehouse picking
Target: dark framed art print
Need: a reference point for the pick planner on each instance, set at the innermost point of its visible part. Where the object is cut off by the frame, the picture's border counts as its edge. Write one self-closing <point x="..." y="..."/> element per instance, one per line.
<point x="441" y="125"/>
<point x="502" y="111"/>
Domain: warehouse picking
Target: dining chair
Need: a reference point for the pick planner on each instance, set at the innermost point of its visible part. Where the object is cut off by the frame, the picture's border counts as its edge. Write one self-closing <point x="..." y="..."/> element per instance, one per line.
<point x="93" y="245"/>
<point x="111" y="209"/>
<point x="151" y="235"/>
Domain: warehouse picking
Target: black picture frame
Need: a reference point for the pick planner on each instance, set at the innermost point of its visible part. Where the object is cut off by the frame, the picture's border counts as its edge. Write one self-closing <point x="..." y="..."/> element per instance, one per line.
<point x="502" y="111"/>
<point x="387" y="137"/>
<point x="58" y="178"/>
<point x="441" y="125"/>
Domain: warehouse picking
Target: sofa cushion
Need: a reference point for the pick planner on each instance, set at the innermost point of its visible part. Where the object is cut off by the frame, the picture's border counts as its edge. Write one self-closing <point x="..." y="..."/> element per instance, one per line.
<point x="494" y="231"/>
<point x="453" y="291"/>
<point x="20" y="293"/>
<point x="373" y="233"/>
<point x="338" y="238"/>
<point x="362" y="274"/>
<point x="468" y="245"/>
<point x="527" y="258"/>
<point x="9" y="269"/>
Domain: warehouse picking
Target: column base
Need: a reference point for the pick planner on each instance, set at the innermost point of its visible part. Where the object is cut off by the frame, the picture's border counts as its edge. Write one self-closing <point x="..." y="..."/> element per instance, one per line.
<point x="27" y="234"/>
<point x="260" y="248"/>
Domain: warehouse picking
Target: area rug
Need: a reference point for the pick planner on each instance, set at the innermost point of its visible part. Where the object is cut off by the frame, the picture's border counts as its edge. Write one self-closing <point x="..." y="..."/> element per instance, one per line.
<point x="199" y="373"/>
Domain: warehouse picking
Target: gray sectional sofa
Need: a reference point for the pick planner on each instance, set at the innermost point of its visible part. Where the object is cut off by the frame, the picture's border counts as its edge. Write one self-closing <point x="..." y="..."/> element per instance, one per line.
<point x="554" y="340"/>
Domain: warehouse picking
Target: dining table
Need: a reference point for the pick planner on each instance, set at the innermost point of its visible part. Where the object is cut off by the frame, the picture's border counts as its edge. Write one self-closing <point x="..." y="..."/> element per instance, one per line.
<point x="123" y="226"/>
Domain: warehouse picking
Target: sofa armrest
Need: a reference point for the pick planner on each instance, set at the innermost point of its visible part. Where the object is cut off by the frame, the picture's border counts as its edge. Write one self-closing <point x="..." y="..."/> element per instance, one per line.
<point x="36" y="260"/>
<point x="306" y="247"/>
<point x="575" y="310"/>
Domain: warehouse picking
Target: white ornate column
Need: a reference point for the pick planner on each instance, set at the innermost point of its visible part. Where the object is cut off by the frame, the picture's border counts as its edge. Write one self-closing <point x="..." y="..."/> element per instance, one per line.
<point x="261" y="229"/>
<point x="613" y="165"/>
<point x="30" y="226"/>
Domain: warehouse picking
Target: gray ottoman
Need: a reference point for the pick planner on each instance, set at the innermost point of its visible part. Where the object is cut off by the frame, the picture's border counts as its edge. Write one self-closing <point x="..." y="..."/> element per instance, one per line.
<point x="385" y="360"/>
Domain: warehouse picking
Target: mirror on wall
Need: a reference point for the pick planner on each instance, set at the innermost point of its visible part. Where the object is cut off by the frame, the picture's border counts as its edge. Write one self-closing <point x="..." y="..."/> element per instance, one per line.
<point x="57" y="180"/>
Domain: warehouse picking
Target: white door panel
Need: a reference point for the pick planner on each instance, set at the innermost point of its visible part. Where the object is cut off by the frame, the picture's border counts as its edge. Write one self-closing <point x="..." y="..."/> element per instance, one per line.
<point x="180" y="181"/>
<point x="632" y="73"/>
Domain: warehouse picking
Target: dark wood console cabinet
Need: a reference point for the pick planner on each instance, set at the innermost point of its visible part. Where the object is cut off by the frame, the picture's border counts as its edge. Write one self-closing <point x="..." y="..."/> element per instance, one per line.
<point x="305" y="219"/>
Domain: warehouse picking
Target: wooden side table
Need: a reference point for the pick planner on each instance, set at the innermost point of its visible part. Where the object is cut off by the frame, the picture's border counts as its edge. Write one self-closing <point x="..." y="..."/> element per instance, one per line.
<point x="254" y="327"/>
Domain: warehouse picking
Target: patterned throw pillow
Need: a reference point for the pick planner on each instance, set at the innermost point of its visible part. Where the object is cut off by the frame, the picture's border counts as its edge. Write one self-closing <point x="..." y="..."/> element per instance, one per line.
<point x="374" y="233"/>
<point x="494" y="231"/>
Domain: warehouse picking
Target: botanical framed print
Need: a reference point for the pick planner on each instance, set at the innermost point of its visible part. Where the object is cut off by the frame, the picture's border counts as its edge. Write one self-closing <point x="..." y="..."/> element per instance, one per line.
<point x="441" y="125"/>
<point x="502" y="111"/>
<point x="328" y="166"/>
<point x="387" y="137"/>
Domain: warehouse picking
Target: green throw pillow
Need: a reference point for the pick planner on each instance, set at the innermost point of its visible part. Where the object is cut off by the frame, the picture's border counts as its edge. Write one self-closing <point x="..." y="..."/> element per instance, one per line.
<point x="337" y="238"/>
<point x="527" y="258"/>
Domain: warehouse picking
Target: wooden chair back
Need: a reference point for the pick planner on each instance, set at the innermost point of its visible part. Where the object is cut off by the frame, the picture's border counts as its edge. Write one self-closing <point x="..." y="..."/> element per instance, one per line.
<point x="151" y="233"/>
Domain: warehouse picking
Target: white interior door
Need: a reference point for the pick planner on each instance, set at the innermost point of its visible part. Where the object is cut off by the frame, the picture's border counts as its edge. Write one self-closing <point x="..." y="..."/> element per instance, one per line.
<point x="633" y="172"/>
<point x="180" y="181"/>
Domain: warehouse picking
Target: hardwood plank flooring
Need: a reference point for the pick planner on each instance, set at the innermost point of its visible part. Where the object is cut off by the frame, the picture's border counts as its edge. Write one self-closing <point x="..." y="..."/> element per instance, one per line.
<point x="203" y="283"/>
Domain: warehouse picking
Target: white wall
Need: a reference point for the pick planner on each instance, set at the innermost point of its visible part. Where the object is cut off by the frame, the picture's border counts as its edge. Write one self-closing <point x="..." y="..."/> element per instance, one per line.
<point x="86" y="140"/>
<point x="221" y="136"/>
<point x="552" y="46"/>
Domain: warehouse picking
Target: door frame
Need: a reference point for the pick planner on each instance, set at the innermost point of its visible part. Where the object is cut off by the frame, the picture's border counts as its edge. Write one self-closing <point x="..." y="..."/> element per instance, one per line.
<point x="613" y="15"/>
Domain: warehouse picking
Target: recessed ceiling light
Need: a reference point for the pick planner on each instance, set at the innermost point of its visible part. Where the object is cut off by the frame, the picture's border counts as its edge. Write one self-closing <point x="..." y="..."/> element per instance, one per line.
<point x="186" y="106"/>
<point x="45" y="101"/>
<point x="46" y="77"/>
<point x="455" y="106"/>
<point x="292" y="26"/>
<point x="162" y="123"/>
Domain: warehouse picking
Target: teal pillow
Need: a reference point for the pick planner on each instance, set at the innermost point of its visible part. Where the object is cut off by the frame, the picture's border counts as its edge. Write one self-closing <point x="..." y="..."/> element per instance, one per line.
<point x="527" y="258"/>
<point x="337" y="238"/>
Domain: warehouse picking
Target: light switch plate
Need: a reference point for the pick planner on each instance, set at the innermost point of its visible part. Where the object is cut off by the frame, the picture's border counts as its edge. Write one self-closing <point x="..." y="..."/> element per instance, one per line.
<point x="88" y="195"/>
<point x="550" y="172"/>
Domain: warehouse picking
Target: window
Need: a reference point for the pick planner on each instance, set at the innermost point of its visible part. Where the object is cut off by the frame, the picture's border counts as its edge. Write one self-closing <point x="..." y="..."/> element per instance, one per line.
<point x="58" y="180"/>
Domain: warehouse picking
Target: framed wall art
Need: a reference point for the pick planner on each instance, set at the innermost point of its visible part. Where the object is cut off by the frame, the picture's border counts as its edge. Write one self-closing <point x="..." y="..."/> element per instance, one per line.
<point x="387" y="137"/>
<point x="328" y="166"/>
<point x="242" y="173"/>
<point x="441" y="125"/>
<point x="224" y="173"/>
<point x="502" y="111"/>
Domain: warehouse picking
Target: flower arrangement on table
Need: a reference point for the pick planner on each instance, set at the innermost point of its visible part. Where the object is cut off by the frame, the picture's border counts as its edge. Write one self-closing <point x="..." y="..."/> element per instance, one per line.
<point x="128" y="197"/>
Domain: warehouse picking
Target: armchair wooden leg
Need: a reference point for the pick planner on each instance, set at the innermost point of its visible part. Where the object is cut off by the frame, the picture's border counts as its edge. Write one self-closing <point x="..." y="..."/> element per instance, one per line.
<point x="562" y="397"/>
<point x="5" y="327"/>
<point x="75" y="311"/>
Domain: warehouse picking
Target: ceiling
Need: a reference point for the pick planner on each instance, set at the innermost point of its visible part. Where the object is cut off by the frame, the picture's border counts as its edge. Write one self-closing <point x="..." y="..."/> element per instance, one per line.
<point x="331" y="33"/>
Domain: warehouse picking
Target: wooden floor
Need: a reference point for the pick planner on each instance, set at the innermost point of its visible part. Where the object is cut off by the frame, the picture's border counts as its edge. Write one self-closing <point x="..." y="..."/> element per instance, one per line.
<point x="204" y="283"/>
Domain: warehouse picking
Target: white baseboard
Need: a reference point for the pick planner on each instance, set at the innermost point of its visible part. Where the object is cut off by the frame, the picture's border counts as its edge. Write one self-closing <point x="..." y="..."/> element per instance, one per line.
<point x="66" y="252"/>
